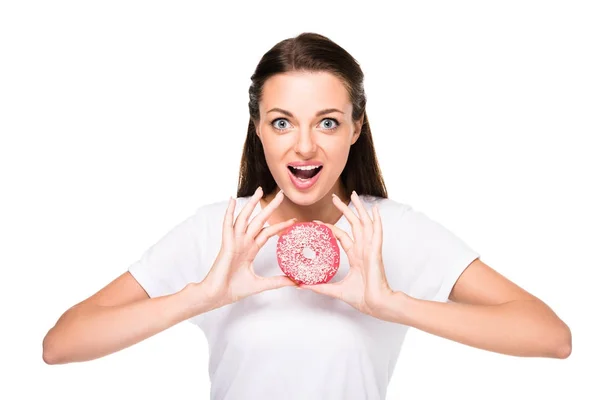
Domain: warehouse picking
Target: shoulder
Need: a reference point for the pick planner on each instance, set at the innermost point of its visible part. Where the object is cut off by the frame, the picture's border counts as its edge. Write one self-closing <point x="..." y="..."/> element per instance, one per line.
<point x="216" y="210"/>
<point x="401" y="217"/>
<point x="388" y="208"/>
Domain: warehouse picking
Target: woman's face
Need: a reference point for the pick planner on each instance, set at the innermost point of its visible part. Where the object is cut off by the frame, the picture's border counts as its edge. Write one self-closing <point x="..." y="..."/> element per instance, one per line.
<point x="306" y="122"/>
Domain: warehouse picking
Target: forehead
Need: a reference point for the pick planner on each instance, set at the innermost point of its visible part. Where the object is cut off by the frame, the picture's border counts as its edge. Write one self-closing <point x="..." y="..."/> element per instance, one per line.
<point x="297" y="91"/>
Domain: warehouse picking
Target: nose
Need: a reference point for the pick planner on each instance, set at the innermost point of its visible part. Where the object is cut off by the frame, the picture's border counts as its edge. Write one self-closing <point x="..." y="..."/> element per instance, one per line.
<point x="305" y="143"/>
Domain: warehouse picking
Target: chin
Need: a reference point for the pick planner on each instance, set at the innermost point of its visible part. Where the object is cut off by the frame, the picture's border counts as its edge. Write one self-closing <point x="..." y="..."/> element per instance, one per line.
<point x="300" y="198"/>
<point x="304" y="198"/>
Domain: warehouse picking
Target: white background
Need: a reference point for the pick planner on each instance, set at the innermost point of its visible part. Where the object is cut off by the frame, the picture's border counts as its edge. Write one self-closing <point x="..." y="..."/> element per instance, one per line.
<point x="119" y="118"/>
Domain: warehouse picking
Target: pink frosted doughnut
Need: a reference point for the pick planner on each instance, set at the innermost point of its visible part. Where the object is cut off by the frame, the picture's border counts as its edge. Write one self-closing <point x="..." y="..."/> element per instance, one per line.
<point x="308" y="253"/>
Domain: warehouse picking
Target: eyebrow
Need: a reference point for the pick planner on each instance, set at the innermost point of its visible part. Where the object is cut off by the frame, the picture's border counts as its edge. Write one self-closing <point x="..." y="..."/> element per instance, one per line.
<point x="289" y="114"/>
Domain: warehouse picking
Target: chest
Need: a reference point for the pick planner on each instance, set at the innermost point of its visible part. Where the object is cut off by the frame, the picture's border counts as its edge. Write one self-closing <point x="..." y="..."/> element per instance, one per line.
<point x="288" y="318"/>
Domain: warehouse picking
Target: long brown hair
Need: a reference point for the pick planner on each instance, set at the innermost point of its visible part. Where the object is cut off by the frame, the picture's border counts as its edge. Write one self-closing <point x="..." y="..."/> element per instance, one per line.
<point x="311" y="52"/>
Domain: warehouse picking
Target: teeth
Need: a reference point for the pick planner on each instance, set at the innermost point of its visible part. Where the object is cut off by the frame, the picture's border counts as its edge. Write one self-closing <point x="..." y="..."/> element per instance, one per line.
<point x="306" y="168"/>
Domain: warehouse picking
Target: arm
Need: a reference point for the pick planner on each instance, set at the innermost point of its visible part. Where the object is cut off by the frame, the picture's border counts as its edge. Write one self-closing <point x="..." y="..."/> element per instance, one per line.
<point x="118" y="316"/>
<point x="490" y="312"/>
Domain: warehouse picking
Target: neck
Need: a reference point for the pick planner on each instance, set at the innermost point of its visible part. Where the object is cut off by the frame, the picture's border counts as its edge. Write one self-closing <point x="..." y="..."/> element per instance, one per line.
<point x="323" y="210"/>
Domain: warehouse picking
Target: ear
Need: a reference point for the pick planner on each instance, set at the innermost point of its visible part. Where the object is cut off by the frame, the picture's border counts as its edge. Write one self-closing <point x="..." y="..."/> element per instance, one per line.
<point x="357" y="128"/>
<point x="256" y="129"/>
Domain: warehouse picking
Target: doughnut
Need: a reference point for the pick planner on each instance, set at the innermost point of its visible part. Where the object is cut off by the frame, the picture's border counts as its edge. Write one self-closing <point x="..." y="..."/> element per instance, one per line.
<point x="308" y="253"/>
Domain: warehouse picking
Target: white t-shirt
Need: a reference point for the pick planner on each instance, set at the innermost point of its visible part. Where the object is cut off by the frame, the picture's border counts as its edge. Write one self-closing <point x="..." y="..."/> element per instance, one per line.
<point x="296" y="344"/>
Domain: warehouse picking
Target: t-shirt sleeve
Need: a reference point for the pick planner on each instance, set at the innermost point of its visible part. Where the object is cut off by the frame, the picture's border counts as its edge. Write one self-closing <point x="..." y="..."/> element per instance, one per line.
<point x="173" y="261"/>
<point x="435" y="256"/>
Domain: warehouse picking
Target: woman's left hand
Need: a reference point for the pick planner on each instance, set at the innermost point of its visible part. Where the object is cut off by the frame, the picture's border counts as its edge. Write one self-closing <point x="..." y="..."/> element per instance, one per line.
<point x="365" y="287"/>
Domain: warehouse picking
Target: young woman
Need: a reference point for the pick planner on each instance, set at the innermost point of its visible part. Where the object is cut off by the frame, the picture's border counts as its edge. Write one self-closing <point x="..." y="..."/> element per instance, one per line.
<point x="308" y="156"/>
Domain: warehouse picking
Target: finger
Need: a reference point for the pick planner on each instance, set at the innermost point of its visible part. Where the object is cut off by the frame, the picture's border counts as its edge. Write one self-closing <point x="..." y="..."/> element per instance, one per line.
<point x="364" y="215"/>
<point x="271" y="230"/>
<point x="274" y="282"/>
<point x="258" y="222"/>
<point x="340" y="234"/>
<point x="350" y="216"/>
<point x="241" y="222"/>
<point x="377" y="229"/>
<point x="329" y="289"/>
<point x="228" y="221"/>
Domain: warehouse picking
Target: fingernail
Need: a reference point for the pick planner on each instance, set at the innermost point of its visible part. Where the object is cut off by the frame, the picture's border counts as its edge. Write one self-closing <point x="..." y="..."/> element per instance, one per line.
<point x="257" y="189"/>
<point x="280" y="191"/>
<point x="354" y="193"/>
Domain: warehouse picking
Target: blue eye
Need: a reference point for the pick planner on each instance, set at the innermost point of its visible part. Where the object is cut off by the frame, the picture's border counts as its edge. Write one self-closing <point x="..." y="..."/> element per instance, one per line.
<point x="278" y="126"/>
<point x="334" y="120"/>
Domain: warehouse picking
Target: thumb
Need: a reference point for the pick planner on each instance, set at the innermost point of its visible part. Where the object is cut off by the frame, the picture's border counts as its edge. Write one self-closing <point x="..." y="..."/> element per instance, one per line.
<point x="329" y="289"/>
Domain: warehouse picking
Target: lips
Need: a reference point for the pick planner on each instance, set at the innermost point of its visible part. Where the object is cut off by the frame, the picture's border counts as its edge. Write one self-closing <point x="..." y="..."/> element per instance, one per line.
<point x="305" y="163"/>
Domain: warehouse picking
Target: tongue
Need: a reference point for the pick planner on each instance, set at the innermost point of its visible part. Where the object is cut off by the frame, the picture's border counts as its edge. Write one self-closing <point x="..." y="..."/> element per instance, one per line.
<point x="305" y="174"/>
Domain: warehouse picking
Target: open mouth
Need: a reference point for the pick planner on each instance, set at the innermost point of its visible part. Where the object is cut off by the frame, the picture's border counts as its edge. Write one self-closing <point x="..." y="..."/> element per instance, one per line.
<point x="305" y="172"/>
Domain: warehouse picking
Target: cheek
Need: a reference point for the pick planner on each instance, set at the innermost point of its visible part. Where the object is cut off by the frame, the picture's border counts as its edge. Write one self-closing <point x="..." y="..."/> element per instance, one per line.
<point x="337" y="151"/>
<point x="340" y="160"/>
<point x="275" y="152"/>
<point x="275" y="147"/>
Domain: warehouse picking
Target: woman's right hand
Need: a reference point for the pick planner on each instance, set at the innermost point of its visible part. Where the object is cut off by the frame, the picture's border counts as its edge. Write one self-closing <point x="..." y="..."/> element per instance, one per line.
<point x="232" y="276"/>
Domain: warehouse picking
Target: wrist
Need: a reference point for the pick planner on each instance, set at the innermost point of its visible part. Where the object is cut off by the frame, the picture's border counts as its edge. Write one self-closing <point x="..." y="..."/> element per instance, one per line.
<point x="196" y="298"/>
<point x="396" y="308"/>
